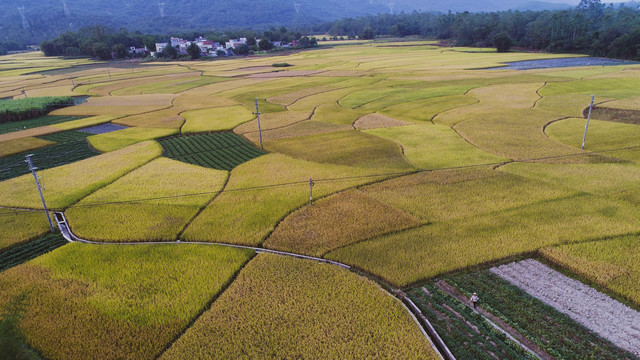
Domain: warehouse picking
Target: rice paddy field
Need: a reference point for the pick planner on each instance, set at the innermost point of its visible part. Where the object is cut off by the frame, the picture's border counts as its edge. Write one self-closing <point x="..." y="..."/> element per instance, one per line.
<point x="406" y="164"/>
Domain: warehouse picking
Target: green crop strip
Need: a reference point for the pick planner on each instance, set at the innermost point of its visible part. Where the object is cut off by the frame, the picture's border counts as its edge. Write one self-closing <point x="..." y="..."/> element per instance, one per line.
<point x="33" y="123"/>
<point x="71" y="146"/>
<point x="221" y="151"/>
<point x="30" y="250"/>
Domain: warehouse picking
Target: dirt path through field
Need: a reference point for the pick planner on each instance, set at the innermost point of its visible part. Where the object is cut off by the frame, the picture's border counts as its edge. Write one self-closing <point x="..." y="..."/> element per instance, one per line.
<point x="523" y="341"/>
<point x="598" y="312"/>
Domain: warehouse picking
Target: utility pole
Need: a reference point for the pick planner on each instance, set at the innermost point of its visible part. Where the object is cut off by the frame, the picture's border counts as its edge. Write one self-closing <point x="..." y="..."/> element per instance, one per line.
<point x="311" y="184"/>
<point x="257" y="113"/>
<point x="584" y="139"/>
<point x="33" y="171"/>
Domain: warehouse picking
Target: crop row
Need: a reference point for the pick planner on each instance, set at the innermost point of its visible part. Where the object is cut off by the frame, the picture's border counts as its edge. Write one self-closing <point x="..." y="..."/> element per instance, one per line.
<point x="465" y="332"/>
<point x="556" y="333"/>
<point x="33" y="123"/>
<point x="222" y="151"/>
<point x="30" y="250"/>
<point x="29" y="108"/>
<point x="74" y="148"/>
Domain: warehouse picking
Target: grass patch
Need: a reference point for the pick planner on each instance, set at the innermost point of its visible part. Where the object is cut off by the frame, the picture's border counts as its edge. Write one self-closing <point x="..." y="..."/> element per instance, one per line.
<point x="612" y="264"/>
<point x="336" y="221"/>
<point x="29" y="108"/>
<point x="121" y="138"/>
<point x="215" y="119"/>
<point x="352" y="148"/>
<point x="119" y="301"/>
<point x="69" y="183"/>
<point x="222" y="151"/>
<point x="289" y="308"/>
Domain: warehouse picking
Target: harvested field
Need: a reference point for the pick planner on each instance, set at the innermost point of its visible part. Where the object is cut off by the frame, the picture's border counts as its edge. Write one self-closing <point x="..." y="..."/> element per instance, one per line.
<point x="616" y="115"/>
<point x="598" y="312"/>
<point x="290" y="308"/>
<point x="337" y="221"/>
<point x="377" y="121"/>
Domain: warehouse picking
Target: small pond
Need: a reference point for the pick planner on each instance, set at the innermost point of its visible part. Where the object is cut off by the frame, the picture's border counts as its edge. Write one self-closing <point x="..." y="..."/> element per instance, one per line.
<point x="562" y="63"/>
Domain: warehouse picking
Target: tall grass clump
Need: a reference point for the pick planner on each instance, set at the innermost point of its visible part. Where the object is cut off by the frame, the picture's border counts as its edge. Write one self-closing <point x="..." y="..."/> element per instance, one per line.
<point x="29" y="108"/>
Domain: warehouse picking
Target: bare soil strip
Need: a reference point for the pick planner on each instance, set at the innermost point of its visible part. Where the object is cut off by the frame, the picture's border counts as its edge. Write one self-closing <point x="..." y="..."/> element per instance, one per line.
<point x="598" y="312"/>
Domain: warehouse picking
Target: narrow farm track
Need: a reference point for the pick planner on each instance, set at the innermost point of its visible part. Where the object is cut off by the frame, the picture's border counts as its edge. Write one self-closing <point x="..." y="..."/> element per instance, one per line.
<point x="598" y="312"/>
<point x="415" y="313"/>
<point x="495" y="321"/>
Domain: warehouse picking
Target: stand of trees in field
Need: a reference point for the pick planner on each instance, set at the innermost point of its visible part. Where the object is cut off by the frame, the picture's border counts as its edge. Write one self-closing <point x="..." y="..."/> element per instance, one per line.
<point x="590" y="28"/>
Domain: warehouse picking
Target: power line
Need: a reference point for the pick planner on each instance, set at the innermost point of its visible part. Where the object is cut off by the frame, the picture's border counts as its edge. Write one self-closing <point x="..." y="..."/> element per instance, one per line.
<point x="347" y="178"/>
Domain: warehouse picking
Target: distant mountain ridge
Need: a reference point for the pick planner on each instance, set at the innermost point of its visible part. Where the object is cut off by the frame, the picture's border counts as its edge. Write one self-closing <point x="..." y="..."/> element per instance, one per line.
<point x="36" y="20"/>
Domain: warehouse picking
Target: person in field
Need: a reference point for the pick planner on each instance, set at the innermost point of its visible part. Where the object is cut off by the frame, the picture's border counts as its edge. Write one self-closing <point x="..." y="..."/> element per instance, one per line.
<point x="474" y="300"/>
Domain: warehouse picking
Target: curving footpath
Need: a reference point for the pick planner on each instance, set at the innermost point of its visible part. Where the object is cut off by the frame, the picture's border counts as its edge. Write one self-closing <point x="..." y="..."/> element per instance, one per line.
<point x="426" y="328"/>
<point x="598" y="312"/>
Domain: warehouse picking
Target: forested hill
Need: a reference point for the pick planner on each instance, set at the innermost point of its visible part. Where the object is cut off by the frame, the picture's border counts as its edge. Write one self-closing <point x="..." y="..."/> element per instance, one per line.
<point x="35" y="20"/>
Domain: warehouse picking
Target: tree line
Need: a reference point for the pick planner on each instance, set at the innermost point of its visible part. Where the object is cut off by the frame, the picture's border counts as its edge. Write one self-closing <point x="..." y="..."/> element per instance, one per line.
<point x="591" y="28"/>
<point x="104" y="43"/>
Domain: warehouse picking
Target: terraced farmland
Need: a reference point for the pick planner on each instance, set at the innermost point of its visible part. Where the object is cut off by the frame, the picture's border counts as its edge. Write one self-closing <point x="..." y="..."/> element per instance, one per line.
<point x="222" y="151"/>
<point x="419" y="169"/>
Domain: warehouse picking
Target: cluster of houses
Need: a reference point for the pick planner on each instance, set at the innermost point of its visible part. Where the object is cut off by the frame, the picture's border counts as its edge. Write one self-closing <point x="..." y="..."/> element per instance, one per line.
<point x="207" y="47"/>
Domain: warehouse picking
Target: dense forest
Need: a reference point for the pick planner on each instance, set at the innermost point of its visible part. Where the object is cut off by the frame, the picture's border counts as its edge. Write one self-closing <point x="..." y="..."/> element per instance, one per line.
<point x="590" y="28"/>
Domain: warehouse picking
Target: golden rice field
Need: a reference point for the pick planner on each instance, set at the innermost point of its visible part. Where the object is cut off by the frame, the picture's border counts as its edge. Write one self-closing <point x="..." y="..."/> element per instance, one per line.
<point x="612" y="264"/>
<point x="423" y="164"/>
<point x="288" y="308"/>
<point x="114" y="302"/>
